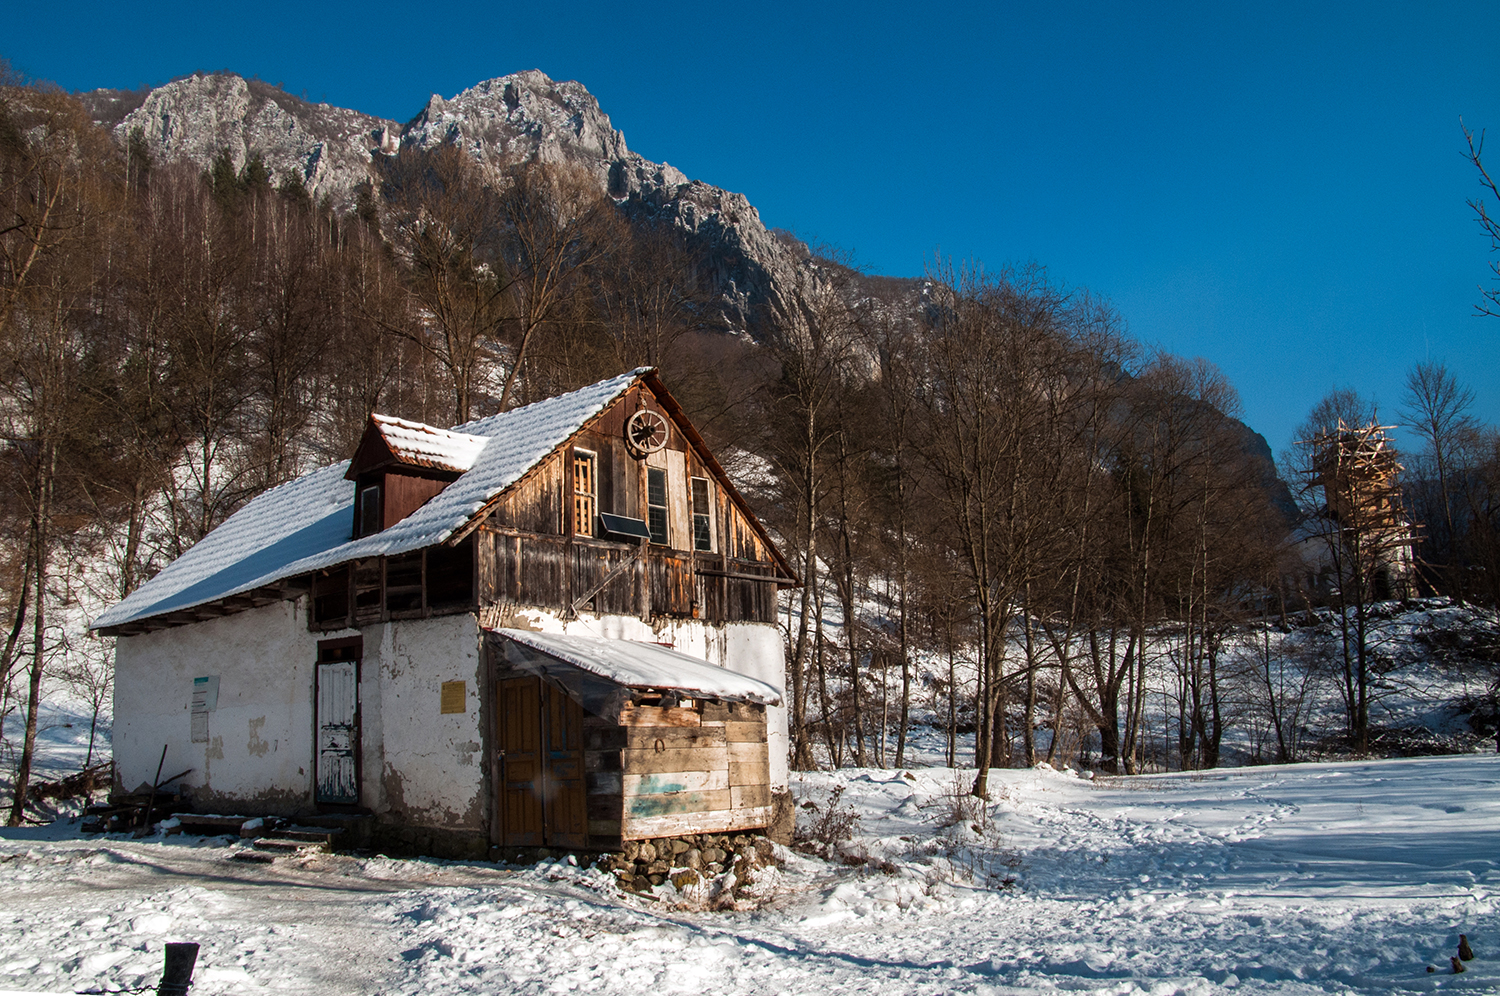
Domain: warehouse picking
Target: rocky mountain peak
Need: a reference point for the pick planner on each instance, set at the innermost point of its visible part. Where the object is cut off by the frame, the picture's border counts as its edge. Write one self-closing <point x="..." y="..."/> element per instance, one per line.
<point x="502" y="122"/>
<point x="195" y="118"/>
<point x="521" y="117"/>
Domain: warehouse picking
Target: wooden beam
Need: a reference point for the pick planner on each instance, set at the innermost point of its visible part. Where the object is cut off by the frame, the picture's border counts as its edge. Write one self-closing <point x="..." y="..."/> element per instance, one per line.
<point x="619" y="570"/>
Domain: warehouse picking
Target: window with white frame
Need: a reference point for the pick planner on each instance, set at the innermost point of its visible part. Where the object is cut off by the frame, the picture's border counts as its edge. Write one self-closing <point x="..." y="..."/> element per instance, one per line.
<point x="656" y="504"/>
<point x="703" y="526"/>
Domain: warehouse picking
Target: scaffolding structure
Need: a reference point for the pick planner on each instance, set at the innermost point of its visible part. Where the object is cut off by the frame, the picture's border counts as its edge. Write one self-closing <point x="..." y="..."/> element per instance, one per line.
<point x="1356" y="467"/>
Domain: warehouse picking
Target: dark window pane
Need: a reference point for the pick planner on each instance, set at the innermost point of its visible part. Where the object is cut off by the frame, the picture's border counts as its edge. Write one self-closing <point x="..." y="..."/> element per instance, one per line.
<point x="331" y="596"/>
<point x="369" y="510"/>
<point x="702" y="536"/>
<point x="700" y="496"/>
<point x="656" y="504"/>
<point x="450" y="574"/>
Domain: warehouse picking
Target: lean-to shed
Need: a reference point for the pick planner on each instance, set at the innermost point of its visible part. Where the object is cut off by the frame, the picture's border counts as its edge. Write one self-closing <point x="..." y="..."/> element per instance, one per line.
<point x="606" y="741"/>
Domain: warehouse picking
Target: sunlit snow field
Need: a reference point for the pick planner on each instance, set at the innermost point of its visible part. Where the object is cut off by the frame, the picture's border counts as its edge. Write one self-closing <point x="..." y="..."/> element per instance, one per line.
<point x="1320" y="878"/>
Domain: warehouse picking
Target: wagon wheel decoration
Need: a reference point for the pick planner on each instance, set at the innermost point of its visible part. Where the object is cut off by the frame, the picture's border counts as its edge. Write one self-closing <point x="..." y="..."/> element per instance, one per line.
<point x="646" y="432"/>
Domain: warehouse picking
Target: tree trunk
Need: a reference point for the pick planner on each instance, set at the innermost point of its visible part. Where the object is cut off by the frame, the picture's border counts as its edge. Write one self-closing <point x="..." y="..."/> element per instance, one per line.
<point x="46" y="466"/>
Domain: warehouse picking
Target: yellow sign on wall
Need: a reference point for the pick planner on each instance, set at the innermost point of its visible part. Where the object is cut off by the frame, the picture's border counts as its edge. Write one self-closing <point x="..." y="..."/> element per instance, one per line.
<point x="455" y="697"/>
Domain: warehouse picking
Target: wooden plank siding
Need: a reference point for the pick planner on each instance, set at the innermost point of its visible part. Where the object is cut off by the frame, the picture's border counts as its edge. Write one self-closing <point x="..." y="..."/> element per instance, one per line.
<point x="531" y="555"/>
<point x="548" y="571"/>
<point x="693" y="769"/>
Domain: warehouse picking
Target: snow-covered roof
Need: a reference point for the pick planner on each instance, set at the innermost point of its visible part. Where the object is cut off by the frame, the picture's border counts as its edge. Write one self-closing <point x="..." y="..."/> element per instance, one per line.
<point x="304" y="525"/>
<point x="419" y="445"/>
<point x="646" y="665"/>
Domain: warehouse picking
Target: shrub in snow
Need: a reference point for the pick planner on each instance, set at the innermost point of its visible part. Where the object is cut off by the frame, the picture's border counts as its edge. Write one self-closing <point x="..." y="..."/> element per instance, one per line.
<point x="830" y="826"/>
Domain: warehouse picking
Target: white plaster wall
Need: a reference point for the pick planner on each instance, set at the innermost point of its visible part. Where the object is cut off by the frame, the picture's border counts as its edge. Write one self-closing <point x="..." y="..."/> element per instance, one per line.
<point x="750" y="648"/>
<point x="419" y="764"/>
<point x="260" y="749"/>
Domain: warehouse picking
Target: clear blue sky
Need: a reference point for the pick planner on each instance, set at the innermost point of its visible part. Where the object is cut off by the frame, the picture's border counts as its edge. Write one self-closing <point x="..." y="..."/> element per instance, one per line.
<point x="1276" y="187"/>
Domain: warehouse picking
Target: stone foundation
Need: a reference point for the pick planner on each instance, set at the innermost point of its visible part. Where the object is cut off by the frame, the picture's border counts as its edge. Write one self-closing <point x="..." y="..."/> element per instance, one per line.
<point x="688" y="860"/>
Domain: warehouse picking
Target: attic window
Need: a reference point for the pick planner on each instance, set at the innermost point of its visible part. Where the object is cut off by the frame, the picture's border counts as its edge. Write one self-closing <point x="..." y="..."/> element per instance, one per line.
<point x="369" y="510"/>
<point x="703" y="533"/>
<point x="656" y="504"/>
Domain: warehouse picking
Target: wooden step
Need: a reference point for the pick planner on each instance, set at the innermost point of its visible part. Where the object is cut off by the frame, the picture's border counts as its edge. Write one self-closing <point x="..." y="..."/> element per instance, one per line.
<point x="210" y="821"/>
<point x="306" y="835"/>
<point x="274" y="846"/>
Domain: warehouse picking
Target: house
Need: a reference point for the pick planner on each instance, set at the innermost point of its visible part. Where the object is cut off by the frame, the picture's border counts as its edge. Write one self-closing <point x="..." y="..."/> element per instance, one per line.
<point x="550" y="627"/>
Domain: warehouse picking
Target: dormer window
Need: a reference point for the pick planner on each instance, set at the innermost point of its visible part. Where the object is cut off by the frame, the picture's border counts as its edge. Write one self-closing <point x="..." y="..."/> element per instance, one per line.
<point x="369" y="510"/>
<point x="402" y="465"/>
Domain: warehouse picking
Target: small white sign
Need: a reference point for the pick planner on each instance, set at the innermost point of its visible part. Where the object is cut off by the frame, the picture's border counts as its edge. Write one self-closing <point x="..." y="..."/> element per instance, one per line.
<point x="205" y="701"/>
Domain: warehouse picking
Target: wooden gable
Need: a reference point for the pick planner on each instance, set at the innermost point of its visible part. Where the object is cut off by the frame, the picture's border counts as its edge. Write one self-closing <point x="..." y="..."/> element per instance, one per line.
<point x="710" y="558"/>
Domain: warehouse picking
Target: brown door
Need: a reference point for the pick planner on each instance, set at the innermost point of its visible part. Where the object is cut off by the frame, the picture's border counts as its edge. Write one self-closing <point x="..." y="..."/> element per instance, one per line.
<point x="566" y="809"/>
<point x="542" y="793"/>
<point x="519" y="711"/>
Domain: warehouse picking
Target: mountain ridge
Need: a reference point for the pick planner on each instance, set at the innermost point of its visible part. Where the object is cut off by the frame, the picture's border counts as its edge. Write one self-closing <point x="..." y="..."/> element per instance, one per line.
<point x="501" y="122"/>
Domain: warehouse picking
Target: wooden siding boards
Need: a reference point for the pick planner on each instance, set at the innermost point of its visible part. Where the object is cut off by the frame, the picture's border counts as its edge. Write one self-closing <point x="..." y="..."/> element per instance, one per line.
<point x="405" y="493"/>
<point x="694" y="770"/>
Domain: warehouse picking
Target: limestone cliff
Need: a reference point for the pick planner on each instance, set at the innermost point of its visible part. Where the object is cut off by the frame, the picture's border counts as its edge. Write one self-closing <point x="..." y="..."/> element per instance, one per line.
<point x="502" y="122"/>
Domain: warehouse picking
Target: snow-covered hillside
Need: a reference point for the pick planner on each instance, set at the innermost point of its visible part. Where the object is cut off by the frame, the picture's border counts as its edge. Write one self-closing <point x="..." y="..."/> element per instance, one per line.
<point x="1322" y="878"/>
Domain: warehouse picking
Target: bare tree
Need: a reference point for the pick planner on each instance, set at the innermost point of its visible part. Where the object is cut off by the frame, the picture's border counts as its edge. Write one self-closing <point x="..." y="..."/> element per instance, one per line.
<point x="59" y="198"/>
<point x="818" y="349"/>
<point x="1490" y="305"/>
<point x="558" y="225"/>
<point x="1345" y="470"/>
<point x="444" y="222"/>
<point x="1438" y="410"/>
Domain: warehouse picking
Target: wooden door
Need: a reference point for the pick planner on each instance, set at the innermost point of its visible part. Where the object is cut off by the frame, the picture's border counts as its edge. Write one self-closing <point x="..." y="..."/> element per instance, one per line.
<point x="338" y="733"/>
<point x="521" y="784"/>
<point x="566" y="810"/>
<point x="543" y="798"/>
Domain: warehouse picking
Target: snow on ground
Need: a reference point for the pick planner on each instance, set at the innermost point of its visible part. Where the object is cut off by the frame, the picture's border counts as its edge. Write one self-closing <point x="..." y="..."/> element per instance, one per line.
<point x="1321" y="878"/>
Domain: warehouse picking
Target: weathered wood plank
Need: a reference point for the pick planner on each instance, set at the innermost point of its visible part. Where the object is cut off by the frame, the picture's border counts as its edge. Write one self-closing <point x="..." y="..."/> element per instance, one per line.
<point x="670" y="737"/>
<point x="748" y="733"/>
<point x="603" y="782"/>
<point x="604" y="828"/>
<point x="673" y="782"/>
<point x="659" y="716"/>
<point x="750" y="796"/>
<point x="677" y="824"/>
<point x="717" y="712"/>
<point x="747" y="752"/>
<point x="676" y="802"/>
<point x="747" y="712"/>
<point x="750" y="772"/>
<point x="683" y="759"/>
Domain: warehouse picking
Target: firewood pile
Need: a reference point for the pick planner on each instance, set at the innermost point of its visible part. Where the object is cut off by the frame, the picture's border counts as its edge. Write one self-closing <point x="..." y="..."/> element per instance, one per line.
<point x="85" y="784"/>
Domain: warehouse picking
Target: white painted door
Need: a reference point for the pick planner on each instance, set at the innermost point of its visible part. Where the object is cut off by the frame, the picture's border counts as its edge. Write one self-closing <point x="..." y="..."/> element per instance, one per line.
<point x="338" y="732"/>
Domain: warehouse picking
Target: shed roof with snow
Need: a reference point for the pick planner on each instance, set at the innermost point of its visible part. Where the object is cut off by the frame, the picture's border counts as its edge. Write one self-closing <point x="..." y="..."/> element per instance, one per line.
<point x="644" y="666"/>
